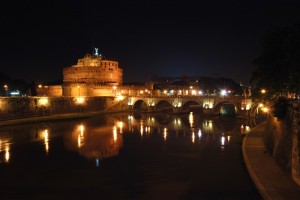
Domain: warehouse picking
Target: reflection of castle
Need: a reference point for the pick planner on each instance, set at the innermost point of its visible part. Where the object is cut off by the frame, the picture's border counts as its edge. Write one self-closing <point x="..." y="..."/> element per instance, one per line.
<point x="95" y="143"/>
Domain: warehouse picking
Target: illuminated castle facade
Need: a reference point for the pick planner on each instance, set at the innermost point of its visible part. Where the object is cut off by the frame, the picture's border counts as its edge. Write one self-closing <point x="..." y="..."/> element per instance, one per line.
<point x="93" y="75"/>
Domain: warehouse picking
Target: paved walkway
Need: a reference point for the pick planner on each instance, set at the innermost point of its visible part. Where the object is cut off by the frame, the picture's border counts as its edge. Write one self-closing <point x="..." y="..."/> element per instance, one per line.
<point x="269" y="178"/>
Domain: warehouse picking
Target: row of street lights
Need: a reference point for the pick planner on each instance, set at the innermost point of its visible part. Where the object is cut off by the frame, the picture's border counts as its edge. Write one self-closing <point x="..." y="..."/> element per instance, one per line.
<point x="262" y="106"/>
<point x="5" y="86"/>
<point x="9" y="92"/>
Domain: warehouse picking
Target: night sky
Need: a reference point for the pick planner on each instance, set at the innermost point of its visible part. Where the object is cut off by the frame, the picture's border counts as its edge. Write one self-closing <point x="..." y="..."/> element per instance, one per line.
<point x="155" y="37"/>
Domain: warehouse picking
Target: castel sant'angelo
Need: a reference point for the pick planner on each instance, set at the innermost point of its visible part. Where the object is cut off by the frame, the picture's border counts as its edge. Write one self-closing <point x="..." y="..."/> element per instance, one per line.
<point x="93" y="75"/>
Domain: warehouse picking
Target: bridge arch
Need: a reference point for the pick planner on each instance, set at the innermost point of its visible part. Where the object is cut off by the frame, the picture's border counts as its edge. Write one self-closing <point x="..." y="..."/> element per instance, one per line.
<point x="191" y="105"/>
<point x="140" y="105"/>
<point x="163" y="106"/>
<point x="226" y="108"/>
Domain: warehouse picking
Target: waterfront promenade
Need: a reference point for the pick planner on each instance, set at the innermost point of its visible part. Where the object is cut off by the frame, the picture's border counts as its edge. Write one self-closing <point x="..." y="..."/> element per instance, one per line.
<point x="269" y="178"/>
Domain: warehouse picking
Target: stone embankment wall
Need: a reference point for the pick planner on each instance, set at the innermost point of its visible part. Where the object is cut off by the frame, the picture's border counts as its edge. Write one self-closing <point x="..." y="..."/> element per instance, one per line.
<point x="21" y="107"/>
<point x="282" y="140"/>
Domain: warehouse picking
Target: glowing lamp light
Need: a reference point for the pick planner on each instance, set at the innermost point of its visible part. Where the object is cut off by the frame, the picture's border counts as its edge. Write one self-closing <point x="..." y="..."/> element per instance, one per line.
<point x="177" y="104"/>
<point x="43" y="101"/>
<point x="80" y="100"/>
<point x="15" y="93"/>
<point x="248" y="106"/>
<point x="120" y="97"/>
<point x="223" y="92"/>
<point x="130" y="102"/>
<point x="265" y="109"/>
<point x="263" y="91"/>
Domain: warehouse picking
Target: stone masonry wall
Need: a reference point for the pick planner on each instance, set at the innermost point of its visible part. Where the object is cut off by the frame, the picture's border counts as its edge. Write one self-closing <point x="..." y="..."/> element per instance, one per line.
<point x="282" y="139"/>
<point x="296" y="144"/>
<point x="20" y="107"/>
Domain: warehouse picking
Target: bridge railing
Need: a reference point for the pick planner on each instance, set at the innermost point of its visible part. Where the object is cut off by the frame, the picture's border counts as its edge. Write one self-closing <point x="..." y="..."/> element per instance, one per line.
<point x="187" y="96"/>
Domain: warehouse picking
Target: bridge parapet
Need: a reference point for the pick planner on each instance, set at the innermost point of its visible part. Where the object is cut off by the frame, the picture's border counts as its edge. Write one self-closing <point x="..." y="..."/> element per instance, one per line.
<point x="204" y="101"/>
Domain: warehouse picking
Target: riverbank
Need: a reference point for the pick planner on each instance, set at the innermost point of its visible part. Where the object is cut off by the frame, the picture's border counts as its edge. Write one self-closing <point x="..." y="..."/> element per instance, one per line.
<point x="269" y="178"/>
<point x="53" y="117"/>
<point x="78" y="115"/>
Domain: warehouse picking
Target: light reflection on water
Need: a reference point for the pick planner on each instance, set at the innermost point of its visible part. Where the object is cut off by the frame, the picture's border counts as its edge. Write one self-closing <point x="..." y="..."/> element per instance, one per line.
<point x="133" y="151"/>
<point x="97" y="142"/>
<point x="5" y="149"/>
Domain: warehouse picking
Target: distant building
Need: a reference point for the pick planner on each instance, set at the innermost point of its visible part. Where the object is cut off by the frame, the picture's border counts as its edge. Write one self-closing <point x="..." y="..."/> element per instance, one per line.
<point x="187" y="85"/>
<point x="93" y="75"/>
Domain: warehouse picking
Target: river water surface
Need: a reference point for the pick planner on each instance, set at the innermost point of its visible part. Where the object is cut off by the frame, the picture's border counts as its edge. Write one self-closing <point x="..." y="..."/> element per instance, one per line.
<point x="126" y="156"/>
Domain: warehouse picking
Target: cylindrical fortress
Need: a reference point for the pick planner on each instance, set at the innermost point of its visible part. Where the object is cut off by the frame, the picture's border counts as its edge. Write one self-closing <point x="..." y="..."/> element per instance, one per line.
<point x="92" y="71"/>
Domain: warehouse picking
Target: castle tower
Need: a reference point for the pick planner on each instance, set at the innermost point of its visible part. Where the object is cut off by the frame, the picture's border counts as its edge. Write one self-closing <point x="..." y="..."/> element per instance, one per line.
<point x="90" y="74"/>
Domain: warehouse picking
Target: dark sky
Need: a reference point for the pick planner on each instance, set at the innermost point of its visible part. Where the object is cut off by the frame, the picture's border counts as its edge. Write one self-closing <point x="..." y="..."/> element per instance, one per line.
<point x="155" y="37"/>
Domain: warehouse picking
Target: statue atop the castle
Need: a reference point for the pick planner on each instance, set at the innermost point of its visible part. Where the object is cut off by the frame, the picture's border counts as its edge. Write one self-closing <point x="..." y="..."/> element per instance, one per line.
<point x="96" y="52"/>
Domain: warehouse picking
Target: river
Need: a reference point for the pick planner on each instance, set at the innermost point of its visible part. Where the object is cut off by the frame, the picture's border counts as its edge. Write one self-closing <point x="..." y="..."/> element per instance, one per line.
<point x="126" y="156"/>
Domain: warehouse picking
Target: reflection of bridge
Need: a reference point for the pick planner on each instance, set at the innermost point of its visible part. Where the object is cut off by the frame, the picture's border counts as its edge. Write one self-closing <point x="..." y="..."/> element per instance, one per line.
<point x="208" y="104"/>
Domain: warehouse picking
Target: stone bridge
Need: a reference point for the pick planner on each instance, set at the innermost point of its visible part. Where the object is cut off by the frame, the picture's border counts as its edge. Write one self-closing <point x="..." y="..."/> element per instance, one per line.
<point x="177" y="104"/>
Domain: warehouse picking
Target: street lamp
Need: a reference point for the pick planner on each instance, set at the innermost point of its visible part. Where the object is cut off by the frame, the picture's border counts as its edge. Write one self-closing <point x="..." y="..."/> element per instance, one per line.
<point x="223" y="93"/>
<point x="263" y="91"/>
<point x="6" y="89"/>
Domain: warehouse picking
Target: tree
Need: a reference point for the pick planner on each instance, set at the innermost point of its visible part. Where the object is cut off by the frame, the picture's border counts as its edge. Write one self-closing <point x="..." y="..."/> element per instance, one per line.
<point x="278" y="65"/>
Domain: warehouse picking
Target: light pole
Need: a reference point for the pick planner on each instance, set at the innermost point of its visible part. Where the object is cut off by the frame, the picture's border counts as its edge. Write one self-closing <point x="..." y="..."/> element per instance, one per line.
<point x="263" y="92"/>
<point x="6" y="90"/>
